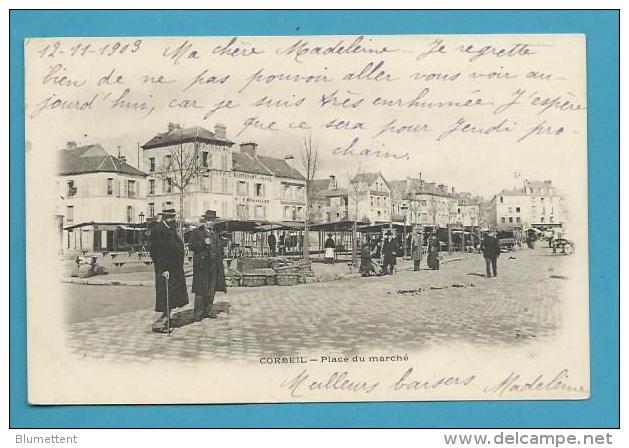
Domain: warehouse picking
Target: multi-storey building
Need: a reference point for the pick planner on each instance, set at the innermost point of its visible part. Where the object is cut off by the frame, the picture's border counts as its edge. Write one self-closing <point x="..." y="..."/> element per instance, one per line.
<point x="425" y="203"/>
<point x="99" y="194"/>
<point x="367" y="198"/>
<point x="536" y="203"/>
<point x="235" y="181"/>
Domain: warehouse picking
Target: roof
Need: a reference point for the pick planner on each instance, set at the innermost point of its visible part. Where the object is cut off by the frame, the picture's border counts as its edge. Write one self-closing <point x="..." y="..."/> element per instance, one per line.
<point x="179" y="135"/>
<point x="369" y="178"/>
<point x="92" y="159"/>
<point x="280" y="168"/>
<point x="245" y="163"/>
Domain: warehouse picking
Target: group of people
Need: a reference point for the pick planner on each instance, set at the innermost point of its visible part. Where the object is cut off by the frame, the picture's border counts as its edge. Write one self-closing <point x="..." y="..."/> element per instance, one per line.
<point x="379" y="257"/>
<point x="168" y="251"/>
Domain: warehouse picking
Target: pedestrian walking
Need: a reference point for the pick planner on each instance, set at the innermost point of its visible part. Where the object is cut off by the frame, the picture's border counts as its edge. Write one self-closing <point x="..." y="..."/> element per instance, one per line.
<point x="491" y="251"/>
<point x="389" y="251"/>
<point x="329" y="247"/>
<point x="271" y="240"/>
<point x="417" y="248"/>
<point x="167" y="253"/>
<point x="208" y="273"/>
<point x="433" y="252"/>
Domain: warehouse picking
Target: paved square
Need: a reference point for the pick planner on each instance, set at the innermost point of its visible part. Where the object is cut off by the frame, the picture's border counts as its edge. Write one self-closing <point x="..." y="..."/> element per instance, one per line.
<point x="399" y="313"/>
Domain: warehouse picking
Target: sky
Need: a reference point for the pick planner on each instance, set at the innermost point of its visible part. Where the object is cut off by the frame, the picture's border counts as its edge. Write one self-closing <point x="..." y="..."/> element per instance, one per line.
<point x="481" y="159"/>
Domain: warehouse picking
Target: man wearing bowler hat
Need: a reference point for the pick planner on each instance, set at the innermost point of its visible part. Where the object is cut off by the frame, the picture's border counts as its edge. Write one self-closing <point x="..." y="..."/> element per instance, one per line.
<point x="167" y="253"/>
<point x="208" y="274"/>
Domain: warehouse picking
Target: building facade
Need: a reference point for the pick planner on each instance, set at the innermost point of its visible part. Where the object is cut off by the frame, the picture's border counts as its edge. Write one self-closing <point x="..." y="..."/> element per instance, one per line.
<point x="536" y="203"/>
<point x="367" y="198"/>
<point x="430" y="204"/>
<point x="234" y="180"/>
<point x="100" y="196"/>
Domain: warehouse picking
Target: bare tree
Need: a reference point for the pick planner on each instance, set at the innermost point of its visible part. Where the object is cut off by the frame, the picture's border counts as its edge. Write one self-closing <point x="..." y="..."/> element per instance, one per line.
<point x="309" y="159"/>
<point x="356" y="193"/>
<point x="183" y="170"/>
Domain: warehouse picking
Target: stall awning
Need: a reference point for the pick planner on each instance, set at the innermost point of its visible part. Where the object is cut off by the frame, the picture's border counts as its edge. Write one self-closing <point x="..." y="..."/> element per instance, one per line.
<point x="338" y="226"/>
<point x="98" y="226"/>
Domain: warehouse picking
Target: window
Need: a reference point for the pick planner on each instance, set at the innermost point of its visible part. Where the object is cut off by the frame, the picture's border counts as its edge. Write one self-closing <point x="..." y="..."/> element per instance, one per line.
<point x="241" y="188"/>
<point x="110" y="186"/>
<point x="517" y="219"/>
<point x="259" y="189"/>
<point x="151" y="209"/>
<point x="71" y="188"/>
<point x="151" y="186"/>
<point x="286" y="212"/>
<point x="168" y="162"/>
<point x="517" y="209"/>
<point x="285" y="191"/>
<point x="169" y="185"/>
<point x="129" y="213"/>
<point x="259" y="211"/>
<point x="501" y="199"/>
<point x="510" y="209"/>
<point x="511" y="219"/>
<point x="542" y="219"/>
<point x="204" y="158"/>
<point x="300" y="213"/>
<point x="131" y="188"/>
<point x="503" y="220"/>
<point x="70" y="213"/>
<point x="152" y="164"/>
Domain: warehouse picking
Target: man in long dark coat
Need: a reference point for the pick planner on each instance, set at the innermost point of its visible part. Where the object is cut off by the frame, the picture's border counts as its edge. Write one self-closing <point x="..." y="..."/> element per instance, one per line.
<point x="207" y="266"/>
<point x="167" y="252"/>
<point x="491" y="251"/>
<point x="389" y="251"/>
<point x="272" y="242"/>
<point x="417" y="249"/>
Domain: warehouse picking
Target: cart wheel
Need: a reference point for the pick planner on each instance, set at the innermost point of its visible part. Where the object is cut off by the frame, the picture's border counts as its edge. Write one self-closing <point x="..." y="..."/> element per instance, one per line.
<point x="568" y="249"/>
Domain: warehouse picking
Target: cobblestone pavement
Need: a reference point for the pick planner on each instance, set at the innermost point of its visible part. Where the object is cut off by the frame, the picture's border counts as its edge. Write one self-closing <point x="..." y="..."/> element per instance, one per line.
<point x="406" y="312"/>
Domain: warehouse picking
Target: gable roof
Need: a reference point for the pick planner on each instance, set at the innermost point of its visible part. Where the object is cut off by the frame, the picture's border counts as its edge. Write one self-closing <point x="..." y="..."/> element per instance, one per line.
<point x="92" y="159"/>
<point x="243" y="162"/>
<point x="280" y="168"/>
<point x="179" y="135"/>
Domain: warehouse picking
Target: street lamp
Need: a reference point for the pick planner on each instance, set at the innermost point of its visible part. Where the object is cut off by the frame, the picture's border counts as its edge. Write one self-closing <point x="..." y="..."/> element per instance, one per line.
<point x="404" y="208"/>
<point x="141" y="216"/>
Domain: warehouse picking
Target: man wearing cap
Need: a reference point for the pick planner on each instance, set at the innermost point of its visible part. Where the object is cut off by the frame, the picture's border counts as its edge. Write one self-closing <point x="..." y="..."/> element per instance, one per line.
<point x="208" y="273"/>
<point x="389" y="250"/>
<point x="167" y="253"/>
<point x="491" y="251"/>
<point x="417" y="249"/>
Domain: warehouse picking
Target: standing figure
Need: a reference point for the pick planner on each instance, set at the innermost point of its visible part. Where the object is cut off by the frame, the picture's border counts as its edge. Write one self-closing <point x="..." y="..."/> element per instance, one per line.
<point x="272" y="241"/>
<point x="329" y="247"/>
<point x="433" y="252"/>
<point x="491" y="251"/>
<point x="389" y="251"/>
<point x="282" y="243"/>
<point x="417" y="248"/>
<point x="366" y="266"/>
<point x="207" y="268"/>
<point x="167" y="253"/>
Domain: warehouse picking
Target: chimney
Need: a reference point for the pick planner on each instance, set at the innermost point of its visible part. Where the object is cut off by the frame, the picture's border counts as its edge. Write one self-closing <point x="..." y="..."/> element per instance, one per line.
<point x="332" y="182"/>
<point x="71" y="145"/>
<point x="249" y="148"/>
<point x="220" y="131"/>
<point x="453" y="190"/>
